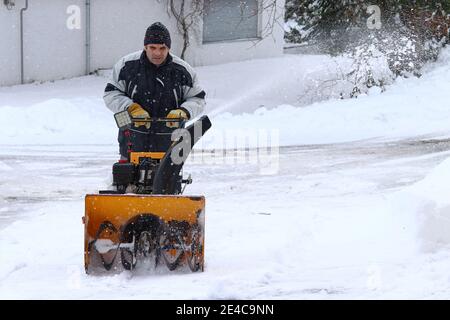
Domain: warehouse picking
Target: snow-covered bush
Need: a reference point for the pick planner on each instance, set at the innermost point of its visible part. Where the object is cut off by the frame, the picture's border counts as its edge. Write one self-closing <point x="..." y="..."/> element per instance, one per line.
<point x="406" y="34"/>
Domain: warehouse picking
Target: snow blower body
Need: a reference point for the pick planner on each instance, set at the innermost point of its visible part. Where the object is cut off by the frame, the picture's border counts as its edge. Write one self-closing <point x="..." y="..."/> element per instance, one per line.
<point x="145" y="217"/>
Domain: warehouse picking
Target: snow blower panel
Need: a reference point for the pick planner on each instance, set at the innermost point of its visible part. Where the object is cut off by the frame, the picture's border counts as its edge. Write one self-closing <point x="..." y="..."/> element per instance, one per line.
<point x="121" y="230"/>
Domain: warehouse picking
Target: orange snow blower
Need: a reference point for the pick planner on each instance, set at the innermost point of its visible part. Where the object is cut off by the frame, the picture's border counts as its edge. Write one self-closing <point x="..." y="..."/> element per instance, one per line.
<point x="146" y="218"/>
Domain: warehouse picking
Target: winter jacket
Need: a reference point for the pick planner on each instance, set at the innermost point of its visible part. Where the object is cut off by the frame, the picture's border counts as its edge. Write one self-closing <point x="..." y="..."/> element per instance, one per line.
<point x="158" y="89"/>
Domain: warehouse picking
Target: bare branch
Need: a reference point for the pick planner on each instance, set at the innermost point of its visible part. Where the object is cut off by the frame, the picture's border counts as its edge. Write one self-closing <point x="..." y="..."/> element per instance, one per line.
<point x="185" y="18"/>
<point x="187" y="15"/>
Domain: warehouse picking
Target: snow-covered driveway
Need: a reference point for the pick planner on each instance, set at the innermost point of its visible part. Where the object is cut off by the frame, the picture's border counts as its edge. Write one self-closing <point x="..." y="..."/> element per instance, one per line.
<point x="358" y="207"/>
<point x="326" y="225"/>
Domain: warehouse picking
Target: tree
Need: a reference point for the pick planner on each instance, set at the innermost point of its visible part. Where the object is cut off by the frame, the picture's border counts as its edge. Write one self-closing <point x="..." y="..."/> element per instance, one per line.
<point x="409" y="33"/>
<point x="185" y="15"/>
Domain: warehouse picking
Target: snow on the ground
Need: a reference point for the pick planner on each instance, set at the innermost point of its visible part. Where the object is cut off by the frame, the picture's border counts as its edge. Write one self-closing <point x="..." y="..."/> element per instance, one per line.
<point x="64" y="112"/>
<point x="409" y="107"/>
<point x="329" y="225"/>
<point x="253" y="95"/>
<point x="428" y="201"/>
<point x="344" y="216"/>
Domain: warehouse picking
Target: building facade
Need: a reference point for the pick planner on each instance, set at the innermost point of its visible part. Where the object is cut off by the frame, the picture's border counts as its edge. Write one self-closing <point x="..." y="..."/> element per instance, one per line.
<point x="45" y="40"/>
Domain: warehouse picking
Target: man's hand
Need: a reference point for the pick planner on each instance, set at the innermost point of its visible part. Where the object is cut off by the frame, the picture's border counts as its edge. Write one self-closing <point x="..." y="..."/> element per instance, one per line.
<point x="176" y="114"/>
<point x="136" y="111"/>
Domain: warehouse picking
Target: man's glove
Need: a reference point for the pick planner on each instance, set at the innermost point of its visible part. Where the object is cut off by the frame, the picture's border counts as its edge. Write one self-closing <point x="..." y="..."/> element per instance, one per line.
<point x="176" y="114"/>
<point x="136" y="111"/>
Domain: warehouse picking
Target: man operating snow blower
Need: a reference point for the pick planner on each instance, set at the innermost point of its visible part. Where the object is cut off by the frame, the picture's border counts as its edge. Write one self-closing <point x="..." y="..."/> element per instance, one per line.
<point x="153" y="83"/>
<point x="145" y="218"/>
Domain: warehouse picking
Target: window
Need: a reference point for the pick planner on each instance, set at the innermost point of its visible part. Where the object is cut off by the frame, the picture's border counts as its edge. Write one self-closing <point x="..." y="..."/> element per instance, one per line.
<point x="230" y="20"/>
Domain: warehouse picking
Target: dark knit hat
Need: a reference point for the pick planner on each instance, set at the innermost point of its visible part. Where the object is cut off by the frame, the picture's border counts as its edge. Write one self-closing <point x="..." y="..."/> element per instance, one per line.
<point x="157" y="33"/>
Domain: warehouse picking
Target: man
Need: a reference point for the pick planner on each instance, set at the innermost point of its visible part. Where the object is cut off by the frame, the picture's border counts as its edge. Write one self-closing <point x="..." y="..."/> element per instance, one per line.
<point x="153" y="83"/>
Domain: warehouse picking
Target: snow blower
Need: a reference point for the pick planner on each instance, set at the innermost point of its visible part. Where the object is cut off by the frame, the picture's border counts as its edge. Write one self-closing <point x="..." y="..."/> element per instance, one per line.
<point x="145" y="217"/>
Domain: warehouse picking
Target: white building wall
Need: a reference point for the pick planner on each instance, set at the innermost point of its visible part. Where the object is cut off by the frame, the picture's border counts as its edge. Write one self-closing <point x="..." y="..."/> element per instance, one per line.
<point x="118" y="28"/>
<point x="9" y="46"/>
<point x="53" y="51"/>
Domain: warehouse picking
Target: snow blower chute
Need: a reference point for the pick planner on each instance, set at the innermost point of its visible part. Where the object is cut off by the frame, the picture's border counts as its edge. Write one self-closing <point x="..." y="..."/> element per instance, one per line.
<point x="146" y="217"/>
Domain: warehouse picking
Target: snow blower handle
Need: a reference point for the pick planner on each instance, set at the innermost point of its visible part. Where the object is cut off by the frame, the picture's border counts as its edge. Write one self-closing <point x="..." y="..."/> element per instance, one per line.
<point x="125" y="121"/>
<point x="170" y="166"/>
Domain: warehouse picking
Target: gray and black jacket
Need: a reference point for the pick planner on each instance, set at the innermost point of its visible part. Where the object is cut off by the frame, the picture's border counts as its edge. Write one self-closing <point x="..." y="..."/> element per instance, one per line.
<point x="172" y="85"/>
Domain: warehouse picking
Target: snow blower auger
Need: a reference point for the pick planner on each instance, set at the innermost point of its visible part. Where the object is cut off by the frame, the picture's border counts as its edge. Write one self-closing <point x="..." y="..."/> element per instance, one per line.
<point x="146" y="217"/>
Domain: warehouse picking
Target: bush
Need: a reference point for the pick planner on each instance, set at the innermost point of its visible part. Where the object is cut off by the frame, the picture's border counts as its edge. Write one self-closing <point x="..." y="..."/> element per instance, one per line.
<point x="409" y="34"/>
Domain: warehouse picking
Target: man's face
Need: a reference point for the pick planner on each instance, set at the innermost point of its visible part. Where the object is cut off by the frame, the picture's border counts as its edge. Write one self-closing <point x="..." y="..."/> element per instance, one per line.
<point x="156" y="53"/>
